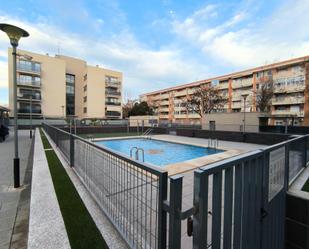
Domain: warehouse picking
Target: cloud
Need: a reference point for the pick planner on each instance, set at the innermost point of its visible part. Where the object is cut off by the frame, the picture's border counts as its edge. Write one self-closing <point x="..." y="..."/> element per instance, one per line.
<point x="240" y="42"/>
<point x="144" y="69"/>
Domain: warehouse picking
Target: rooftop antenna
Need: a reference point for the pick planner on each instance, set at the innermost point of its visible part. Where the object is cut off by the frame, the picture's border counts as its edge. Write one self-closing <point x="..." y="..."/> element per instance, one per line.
<point x="58" y="48"/>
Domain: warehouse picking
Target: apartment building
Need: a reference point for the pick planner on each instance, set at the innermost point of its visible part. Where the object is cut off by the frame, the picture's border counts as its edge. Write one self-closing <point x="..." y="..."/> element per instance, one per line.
<point x="290" y="100"/>
<point x="63" y="86"/>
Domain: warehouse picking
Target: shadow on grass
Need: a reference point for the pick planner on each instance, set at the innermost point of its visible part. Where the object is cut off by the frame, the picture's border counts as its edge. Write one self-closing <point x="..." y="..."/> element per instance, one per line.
<point x="306" y="186"/>
<point x="82" y="231"/>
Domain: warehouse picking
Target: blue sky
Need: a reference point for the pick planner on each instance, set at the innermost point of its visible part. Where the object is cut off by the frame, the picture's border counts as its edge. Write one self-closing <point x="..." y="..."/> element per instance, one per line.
<point x="160" y="43"/>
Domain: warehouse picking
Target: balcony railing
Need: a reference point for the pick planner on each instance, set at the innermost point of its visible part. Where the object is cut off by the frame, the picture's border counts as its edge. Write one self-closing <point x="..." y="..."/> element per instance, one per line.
<point x="112" y="114"/>
<point x="288" y="101"/>
<point x="28" y="69"/>
<point x="288" y="112"/>
<point x="115" y="93"/>
<point x="112" y="83"/>
<point x="27" y="111"/>
<point x="29" y="83"/>
<point x="28" y="96"/>
<point x="112" y="103"/>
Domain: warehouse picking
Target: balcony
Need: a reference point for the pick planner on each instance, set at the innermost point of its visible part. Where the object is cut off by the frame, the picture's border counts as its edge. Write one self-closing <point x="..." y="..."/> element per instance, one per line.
<point x="27" y="96"/>
<point x="163" y="115"/>
<point x="288" y="113"/>
<point x="236" y="105"/>
<point x="236" y="97"/>
<point x="113" y="103"/>
<point x="164" y="102"/>
<point x="113" y="93"/>
<point x="112" y="114"/>
<point x="27" y="111"/>
<point x="288" y="101"/>
<point x="29" y="69"/>
<point x="242" y="83"/>
<point x="180" y="93"/>
<point x="164" y="109"/>
<point x="36" y="84"/>
<point x="112" y="83"/>
<point x="223" y="85"/>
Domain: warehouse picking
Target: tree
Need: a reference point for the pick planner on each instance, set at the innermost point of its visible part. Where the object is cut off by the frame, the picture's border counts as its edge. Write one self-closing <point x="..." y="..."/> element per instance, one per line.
<point x="265" y="94"/>
<point x="141" y="108"/>
<point x="126" y="108"/>
<point x="205" y="99"/>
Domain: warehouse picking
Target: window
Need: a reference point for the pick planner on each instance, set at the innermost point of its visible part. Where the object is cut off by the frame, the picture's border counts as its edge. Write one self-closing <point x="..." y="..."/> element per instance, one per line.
<point x="70" y="94"/>
<point x="85" y="109"/>
<point x="85" y="77"/>
<point x="85" y="88"/>
<point x="85" y="99"/>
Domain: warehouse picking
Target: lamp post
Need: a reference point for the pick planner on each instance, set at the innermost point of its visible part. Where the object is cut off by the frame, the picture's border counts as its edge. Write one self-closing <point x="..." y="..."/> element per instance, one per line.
<point x="31" y="113"/>
<point x="14" y="33"/>
<point x="244" y="124"/>
<point x="62" y="110"/>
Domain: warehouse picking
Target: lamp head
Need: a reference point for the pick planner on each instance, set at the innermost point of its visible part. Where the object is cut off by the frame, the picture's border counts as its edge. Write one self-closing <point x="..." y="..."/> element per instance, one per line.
<point x="14" y="33"/>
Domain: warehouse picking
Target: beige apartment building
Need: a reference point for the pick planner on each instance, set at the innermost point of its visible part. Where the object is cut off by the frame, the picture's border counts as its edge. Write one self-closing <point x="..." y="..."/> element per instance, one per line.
<point x="63" y="86"/>
<point x="290" y="99"/>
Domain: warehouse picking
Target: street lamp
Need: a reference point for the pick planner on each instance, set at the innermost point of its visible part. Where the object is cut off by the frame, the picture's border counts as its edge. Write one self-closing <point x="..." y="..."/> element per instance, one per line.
<point x="245" y="95"/>
<point x="14" y="33"/>
<point x="62" y="110"/>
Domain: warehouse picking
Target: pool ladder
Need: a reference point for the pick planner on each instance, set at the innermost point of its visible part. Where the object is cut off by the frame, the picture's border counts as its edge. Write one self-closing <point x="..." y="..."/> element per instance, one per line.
<point x="136" y="149"/>
<point x="213" y="143"/>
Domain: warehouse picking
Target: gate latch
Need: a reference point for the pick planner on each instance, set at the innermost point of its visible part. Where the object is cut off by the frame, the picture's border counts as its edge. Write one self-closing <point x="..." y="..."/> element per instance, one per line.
<point x="264" y="213"/>
<point x="189" y="226"/>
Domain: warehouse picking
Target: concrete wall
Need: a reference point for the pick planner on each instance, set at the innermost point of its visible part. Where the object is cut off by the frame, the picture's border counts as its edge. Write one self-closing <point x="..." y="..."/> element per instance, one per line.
<point x="137" y="120"/>
<point x="232" y="121"/>
<point x="96" y="92"/>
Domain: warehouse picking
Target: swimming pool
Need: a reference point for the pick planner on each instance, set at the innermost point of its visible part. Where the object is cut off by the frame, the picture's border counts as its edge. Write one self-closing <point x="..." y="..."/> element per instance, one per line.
<point x="158" y="152"/>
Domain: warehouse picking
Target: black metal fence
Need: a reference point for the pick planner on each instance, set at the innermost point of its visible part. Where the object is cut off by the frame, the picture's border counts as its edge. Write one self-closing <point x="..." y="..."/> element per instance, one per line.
<point x="130" y="193"/>
<point x="238" y="203"/>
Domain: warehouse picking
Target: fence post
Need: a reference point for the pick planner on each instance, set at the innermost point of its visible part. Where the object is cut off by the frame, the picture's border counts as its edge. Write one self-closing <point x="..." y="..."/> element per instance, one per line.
<point x="200" y="203"/>
<point x="175" y="210"/>
<point x="287" y="165"/>
<point x="71" y="150"/>
<point x="162" y="214"/>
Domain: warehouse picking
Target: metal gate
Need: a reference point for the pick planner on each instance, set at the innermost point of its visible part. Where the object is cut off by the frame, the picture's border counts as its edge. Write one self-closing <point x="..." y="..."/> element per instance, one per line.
<point x="239" y="202"/>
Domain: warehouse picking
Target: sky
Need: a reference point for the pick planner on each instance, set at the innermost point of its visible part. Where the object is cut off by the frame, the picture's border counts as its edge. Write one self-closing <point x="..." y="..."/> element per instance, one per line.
<point x="160" y="43"/>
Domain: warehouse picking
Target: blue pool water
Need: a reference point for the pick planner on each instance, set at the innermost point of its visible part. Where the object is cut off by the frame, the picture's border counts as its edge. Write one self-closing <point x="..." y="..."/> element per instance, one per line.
<point x="157" y="152"/>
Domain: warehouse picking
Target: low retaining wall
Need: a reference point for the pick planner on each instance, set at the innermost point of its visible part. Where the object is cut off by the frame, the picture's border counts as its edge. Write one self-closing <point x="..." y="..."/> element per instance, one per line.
<point x="113" y="129"/>
<point x="255" y="138"/>
<point x="281" y="129"/>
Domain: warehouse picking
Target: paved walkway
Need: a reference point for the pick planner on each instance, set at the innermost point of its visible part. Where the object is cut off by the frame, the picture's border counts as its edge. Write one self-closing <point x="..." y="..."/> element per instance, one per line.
<point x="14" y="203"/>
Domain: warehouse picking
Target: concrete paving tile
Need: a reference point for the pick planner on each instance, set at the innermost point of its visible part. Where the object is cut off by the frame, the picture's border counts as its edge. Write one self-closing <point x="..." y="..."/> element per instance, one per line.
<point x="8" y="213"/>
<point x="6" y="223"/>
<point x="5" y="237"/>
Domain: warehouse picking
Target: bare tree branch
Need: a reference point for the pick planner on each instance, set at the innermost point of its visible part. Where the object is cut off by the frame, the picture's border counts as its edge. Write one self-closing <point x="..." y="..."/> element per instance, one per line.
<point x="204" y="100"/>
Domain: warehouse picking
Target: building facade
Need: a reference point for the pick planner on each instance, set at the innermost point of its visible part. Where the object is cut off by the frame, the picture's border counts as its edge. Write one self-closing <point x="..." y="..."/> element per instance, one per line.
<point x="289" y="79"/>
<point x="62" y="86"/>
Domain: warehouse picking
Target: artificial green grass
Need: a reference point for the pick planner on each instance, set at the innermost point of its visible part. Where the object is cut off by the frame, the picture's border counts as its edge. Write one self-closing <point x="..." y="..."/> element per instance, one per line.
<point x="81" y="229"/>
<point x="306" y="186"/>
<point x="104" y="135"/>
